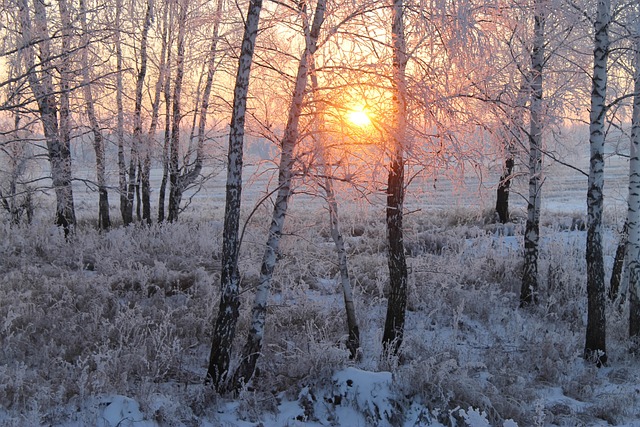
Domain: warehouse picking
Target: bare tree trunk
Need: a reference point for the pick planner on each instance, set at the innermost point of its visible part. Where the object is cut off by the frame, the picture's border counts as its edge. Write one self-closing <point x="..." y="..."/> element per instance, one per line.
<point x="145" y="168"/>
<point x="529" y="289"/>
<point x="137" y="143"/>
<point x="125" y="209"/>
<point x="192" y="171"/>
<point x="225" y="325"/>
<point x="41" y="85"/>
<point x="67" y="217"/>
<point x="595" y="344"/>
<point x="175" y="196"/>
<point x="353" y="340"/>
<point x="634" y="205"/>
<point x="104" y="220"/>
<point x="353" y="330"/>
<point x="619" y="261"/>
<point x="502" y="196"/>
<point x="253" y="346"/>
<point x="397" y="301"/>
<point x="167" y="123"/>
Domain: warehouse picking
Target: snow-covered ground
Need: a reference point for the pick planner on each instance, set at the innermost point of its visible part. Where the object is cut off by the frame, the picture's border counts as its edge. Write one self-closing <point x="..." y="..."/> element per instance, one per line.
<point x="113" y="329"/>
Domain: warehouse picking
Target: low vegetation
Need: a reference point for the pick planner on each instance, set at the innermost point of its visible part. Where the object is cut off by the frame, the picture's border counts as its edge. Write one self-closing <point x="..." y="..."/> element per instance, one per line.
<point x="130" y="312"/>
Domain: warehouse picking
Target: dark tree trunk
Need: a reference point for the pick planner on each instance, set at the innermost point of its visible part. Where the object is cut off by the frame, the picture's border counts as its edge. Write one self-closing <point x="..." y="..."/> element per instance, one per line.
<point x="397" y="302"/>
<point x="227" y="318"/>
<point x="618" y="264"/>
<point x="502" y="197"/>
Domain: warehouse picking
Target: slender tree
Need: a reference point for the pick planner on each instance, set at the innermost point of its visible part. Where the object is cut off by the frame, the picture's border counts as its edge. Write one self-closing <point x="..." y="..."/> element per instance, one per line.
<point x="397" y="302"/>
<point x="528" y="292"/>
<point x="595" y="344"/>
<point x="226" y="320"/>
<point x="253" y="347"/>
<point x="138" y="142"/>
<point x="104" y="220"/>
<point x="187" y="174"/>
<point x="125" y="209"/>
<point x="41" y="81"/>
<point x="634" y="204"/>
<point x="353" y="330"/>
<point x="176" y="116"/>
<point x="168" y="41"/>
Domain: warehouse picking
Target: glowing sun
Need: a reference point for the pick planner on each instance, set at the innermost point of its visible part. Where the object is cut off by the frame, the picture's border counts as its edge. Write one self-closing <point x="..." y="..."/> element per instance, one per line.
<point x="359" y="117"/>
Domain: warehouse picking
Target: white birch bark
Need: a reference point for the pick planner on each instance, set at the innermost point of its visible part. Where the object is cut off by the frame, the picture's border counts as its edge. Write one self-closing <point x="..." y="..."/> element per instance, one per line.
<point x="137" y="144"/>
<point x="529" y="289"/>
<point x="41" y="82"/>
<point x="634" y="205"/>
<point x="168" y="41"/>
<point x="595" y="342"/>
<point x="253" y="346"/>
<point x="104" y="221"/>
<point x="226" y="320"/>
<point x="125" y="210"/>
<point x="145" y="155"/>
<point x="176" y="116"/>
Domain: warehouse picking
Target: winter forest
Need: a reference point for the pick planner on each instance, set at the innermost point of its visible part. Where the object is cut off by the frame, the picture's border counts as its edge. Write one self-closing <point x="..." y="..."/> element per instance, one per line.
<point x="319" y="213"/>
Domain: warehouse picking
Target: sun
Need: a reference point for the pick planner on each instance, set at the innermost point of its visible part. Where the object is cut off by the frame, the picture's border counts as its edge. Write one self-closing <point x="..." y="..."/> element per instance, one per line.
<point x="358" y="116"/>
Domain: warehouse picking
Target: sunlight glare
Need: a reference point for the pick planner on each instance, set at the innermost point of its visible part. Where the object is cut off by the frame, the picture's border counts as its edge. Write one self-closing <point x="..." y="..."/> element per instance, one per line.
<point x="359" y="117"/>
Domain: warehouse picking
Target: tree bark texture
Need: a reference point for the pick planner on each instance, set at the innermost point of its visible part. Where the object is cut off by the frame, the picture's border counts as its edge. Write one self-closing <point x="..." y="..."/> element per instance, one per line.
<point x="175" y="194"/>
<point x="137" y="144"/>
<point x="253" y="346"/>
<point x="595" y="342"/>
<point x="104" y="220"/>
<point x="502" y="193"/>
<point x="619" y="259"/>
<point x="125" y="209"/>
<point x="634" y="207"/>
<point x="353" y="339"/>
<point x="397" y="302"/>
<point x="226" y="320"/>
<point x="41" y="84"/>
<point x="529" y="289"/>
<point x="167" y="125"/>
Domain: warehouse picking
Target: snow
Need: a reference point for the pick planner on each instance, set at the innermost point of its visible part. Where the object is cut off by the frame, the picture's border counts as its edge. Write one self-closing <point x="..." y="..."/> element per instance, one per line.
<point x="95" y="347"/>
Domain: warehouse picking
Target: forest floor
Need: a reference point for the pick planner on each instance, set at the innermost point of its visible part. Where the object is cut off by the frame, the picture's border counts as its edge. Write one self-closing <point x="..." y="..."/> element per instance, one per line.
<point x="114" y="328"/>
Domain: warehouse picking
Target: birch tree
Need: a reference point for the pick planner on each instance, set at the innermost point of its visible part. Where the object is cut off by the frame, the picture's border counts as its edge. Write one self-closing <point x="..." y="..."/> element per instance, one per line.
<point x="253" y="346"/>
<point x="176" y="115"/>
<point x="125" y="209"/>
<point x="104" y="219"/>
<point x="138" y="142"/>
<point x="532" y="228"/>
<point x="41" y="82"/>
<point x="595" y="343"/>
<point x="187" y="174"/>
<point x="226" y="320"/>
<point x="633" y="216"/>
